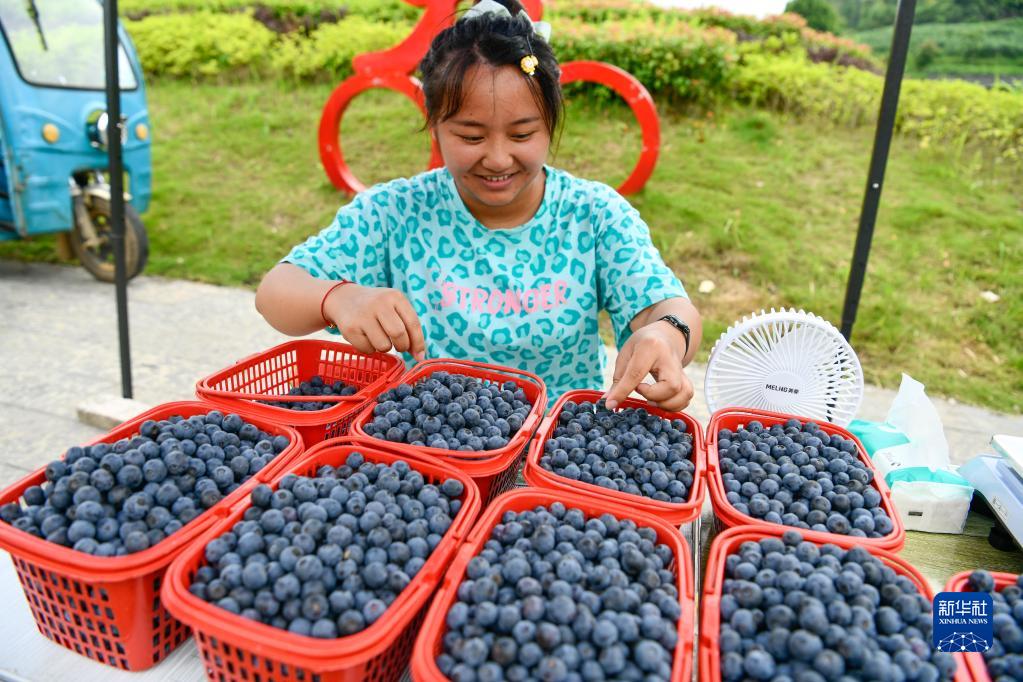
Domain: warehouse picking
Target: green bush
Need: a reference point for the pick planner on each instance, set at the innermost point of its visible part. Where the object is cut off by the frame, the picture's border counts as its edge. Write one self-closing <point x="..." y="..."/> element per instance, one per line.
<point x="946" y="112"/>
<point x="205" y="44"/>
<point x="925" y="55"/>
<point x="819" y="14"/>
<point x="599" y="11"/>
<point x="675" y="60"/>
<point x="709" y="56"/>
<point x="200" y="44"/>
<point x="375" y="10"/>
<point x="328" y="51"/>
<point x="962" y="113"/>
<point x="750" y="28"/>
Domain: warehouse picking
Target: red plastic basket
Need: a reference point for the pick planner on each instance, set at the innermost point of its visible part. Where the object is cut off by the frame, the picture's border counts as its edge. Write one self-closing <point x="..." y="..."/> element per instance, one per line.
<point x="108" y="608"/>
<point x="271" y="373"/>
<point x="975" y="662"/>
<point x="429" y="643"/>
<point x="235" y="648"/>
<point x="674" y="513"/>
<point x="494" y="471"/>
<point x="727" y="515"/>
<point x="709" y="654"/>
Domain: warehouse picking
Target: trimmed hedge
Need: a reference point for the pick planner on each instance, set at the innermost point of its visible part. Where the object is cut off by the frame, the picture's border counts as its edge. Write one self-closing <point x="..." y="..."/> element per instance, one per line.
<point x="680" y="62"/>
<point x="675" y="60"/>
<point x="377" y="10"/>
<point x="201" y="44"/>
<point x="329" y="50"/>
<point x="599" y="11"/>
<point x="948" y="112"/>
<point x="206" y="44"/>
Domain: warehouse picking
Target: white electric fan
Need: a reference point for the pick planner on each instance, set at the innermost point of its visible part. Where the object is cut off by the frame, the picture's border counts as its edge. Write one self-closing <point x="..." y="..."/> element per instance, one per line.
<point x="785" y="361"/>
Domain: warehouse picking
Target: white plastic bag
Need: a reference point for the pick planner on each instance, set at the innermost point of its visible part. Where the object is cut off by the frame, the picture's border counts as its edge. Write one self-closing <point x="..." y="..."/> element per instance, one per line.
<point x="927" y="492"/>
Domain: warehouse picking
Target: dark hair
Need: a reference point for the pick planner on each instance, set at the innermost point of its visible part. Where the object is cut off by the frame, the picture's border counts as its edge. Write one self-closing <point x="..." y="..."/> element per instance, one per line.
<point x="494" y="41"/>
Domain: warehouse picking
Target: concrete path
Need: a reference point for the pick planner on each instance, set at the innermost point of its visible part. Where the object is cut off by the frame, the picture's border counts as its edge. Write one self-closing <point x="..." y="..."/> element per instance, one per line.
<point x="59" y="343"/>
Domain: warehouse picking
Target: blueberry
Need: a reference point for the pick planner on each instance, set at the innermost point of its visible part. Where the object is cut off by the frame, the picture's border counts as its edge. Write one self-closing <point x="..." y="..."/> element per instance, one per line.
<point x="816" y="488"/>
<point x="649" y="655"/>
<point x="981" y="581"/>
<point x="888" y="621"/>
<point x="288" y="560"/>
<point x="759" y="665"/>
<point x="154" y="471"/>
<point x="437" y="412"/>
<point x="136" y="541"/>
<point x="80" y="529"/>
<point x="452" y="488"/>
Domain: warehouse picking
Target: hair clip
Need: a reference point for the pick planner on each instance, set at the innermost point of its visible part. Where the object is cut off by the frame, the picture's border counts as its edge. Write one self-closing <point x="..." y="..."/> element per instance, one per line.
<point x="540" y="28"/>
<point x="529" y="64"/>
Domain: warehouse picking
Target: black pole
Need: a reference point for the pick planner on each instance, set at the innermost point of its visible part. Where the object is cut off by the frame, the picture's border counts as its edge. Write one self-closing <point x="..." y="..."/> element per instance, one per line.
<point x="114" y="127"/>
<point x="878" y="161"/>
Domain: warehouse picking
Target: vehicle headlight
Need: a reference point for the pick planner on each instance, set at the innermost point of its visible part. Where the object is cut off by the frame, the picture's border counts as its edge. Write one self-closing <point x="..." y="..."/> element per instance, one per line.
<point x="97" y="127"/>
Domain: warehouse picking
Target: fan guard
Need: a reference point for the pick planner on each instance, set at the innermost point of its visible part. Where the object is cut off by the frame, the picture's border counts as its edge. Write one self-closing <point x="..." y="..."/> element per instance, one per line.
<point x="786" y="361"/>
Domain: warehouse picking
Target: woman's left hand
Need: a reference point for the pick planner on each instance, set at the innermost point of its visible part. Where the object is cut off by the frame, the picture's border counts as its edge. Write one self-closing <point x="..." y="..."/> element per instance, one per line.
<point x="656" y="349"/>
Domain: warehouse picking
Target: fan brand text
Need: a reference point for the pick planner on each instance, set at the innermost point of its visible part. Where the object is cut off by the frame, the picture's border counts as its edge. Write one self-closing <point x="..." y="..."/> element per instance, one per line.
<point x="782" y="389"/>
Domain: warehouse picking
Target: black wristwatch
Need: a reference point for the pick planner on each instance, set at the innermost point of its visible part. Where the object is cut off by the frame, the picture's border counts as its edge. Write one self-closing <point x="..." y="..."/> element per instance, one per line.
<point x="679" y="325"/>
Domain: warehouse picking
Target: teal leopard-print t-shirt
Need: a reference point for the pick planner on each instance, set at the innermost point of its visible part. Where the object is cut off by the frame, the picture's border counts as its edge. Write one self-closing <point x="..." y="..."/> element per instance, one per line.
<point x="525" y="297"/>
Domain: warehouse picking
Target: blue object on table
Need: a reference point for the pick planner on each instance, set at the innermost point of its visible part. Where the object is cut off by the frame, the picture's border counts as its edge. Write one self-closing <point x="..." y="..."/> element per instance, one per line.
<point x="1002" y="487"/>
<point x="877" y="436"/>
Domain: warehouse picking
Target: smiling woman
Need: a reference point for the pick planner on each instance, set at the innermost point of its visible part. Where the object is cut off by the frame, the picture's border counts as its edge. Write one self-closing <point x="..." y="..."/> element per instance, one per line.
<point x="496" y="257"/>
<point x="495" y="147"/>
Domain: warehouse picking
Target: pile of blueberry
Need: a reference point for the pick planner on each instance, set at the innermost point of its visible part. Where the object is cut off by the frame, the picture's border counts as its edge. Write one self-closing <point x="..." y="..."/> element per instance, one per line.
<point x="631" y="451"/>
<point x="325" y="556"/>
<point x="1005" y="657"/>
<point x="555" y="595"/>
<point x="313" y="387"/>
<point x="797" y="475"/>
<point x="112" y="500"/>
<point x="451" y="412"/>
<point x="794" y="610"/>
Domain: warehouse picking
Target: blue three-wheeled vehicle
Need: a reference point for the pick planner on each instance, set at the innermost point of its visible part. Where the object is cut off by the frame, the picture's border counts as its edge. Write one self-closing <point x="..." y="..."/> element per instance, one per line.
<point x="54" y="128"/>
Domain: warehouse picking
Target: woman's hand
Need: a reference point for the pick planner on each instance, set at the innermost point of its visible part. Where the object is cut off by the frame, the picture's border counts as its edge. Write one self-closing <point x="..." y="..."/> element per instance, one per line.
<point x="657" y="349"/>
<point x="374" y="319"/>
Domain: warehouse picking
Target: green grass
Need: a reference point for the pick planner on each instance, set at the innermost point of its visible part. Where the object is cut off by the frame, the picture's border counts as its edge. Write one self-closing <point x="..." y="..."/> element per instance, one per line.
<point x="764" y="206"/>
<point x="979" y="48"/>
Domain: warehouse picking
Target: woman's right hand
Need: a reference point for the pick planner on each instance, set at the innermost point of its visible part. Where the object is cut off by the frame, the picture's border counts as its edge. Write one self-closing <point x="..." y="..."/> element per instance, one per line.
<point x="375" y="319"/>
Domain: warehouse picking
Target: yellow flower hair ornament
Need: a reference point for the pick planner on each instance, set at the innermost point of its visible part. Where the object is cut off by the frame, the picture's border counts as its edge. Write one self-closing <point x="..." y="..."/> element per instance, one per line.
<point x="529" y="64"/>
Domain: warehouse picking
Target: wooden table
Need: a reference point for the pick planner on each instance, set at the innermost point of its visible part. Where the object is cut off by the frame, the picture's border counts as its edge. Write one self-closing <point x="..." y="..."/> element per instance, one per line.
<point x="25" y="655"/>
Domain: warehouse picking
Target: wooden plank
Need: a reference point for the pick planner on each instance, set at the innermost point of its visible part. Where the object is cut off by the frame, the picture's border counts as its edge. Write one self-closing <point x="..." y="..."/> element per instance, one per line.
<point x="938" y="557"/>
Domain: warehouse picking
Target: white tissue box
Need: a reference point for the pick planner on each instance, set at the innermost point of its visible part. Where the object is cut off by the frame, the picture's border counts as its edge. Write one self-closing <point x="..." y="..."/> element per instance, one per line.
<point x="932" y="507"/>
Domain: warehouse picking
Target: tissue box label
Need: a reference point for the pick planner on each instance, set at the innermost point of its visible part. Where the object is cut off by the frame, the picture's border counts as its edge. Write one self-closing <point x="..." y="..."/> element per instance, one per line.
<point x="962" y="622"/>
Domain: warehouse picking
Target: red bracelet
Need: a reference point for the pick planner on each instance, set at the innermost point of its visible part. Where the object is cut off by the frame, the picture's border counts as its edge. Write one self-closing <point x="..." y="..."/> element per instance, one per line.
<point x="323" y="302"/>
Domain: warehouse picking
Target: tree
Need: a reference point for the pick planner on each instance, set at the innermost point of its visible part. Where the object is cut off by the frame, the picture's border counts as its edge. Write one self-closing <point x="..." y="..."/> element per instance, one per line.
<point x="878" y="14"/>
<point x="819" y="14"/>
<point x="849" y="12"/>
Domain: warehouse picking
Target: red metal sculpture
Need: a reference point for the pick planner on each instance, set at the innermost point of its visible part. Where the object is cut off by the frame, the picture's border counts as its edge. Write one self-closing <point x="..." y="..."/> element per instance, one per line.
<point x="391" y="69"/>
